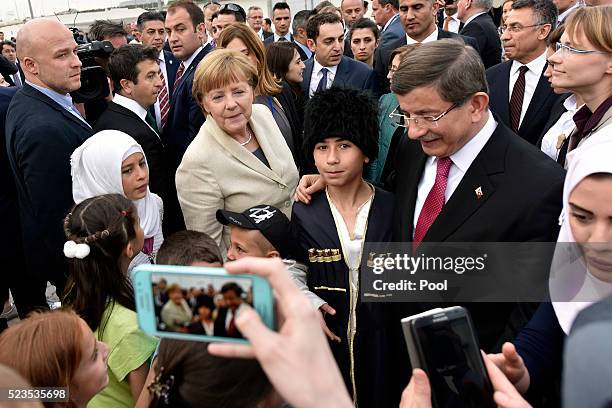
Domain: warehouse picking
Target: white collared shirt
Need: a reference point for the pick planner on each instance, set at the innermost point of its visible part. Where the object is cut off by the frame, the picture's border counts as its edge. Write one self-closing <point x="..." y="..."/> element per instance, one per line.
<point x="230" y="314"/>
<point x="532" y="77"/>
<point x="133" y="106"/>
<point x="474" y="16"/>
<point x="188" y="62"/>
<point x="561" y="18"/>
<point x="462" y="160"/>
<point x="431" y="37"/>
<point x="286" y="37"/>
<point x="317" y="75"/>
<point x="562" y="128"/>
<point x="260" y="34"/>
<point x="391" y="20"/>
<point x="454" y="23"/>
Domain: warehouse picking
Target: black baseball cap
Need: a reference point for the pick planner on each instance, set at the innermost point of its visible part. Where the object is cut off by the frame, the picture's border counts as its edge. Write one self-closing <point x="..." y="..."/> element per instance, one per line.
<point x="267" y="219"/>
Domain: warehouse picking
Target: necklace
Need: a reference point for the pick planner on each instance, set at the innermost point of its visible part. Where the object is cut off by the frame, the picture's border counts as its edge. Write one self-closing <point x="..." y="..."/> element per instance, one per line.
<point x="249" y="139"/>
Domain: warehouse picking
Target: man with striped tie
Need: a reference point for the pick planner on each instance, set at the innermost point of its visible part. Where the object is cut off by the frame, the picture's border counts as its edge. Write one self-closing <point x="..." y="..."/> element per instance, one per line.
<point x="153" y="34"/>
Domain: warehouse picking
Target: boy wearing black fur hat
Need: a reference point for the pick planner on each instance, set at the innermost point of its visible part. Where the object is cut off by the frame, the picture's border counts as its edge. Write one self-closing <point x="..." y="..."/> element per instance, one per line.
<point x="340" y="135"/>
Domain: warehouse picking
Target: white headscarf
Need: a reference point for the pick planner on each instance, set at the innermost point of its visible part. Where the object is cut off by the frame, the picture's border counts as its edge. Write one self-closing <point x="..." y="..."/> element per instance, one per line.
<point x="572" y="286"/>
<point x="96" y="170"/>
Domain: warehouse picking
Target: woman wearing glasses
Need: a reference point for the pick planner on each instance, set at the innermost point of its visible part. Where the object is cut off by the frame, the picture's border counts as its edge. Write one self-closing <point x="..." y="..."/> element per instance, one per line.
<point x="239" y="157"/>
<point x="582" y="64"/>
<point x="270" y="92"/>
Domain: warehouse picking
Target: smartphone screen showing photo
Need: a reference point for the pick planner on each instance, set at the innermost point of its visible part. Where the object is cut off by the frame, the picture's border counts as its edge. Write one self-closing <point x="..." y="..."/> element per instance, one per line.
<point x="200" y="304"/>
<point x="453" y="363"/>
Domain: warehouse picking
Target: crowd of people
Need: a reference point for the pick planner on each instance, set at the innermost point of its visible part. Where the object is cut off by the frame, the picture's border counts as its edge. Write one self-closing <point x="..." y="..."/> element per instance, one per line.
<point x="222" y="142"/>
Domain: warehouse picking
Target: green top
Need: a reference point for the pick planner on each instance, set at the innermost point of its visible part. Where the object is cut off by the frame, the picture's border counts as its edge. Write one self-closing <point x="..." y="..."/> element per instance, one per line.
<point x="386" y="104"/>
<point x="129" y="348"/>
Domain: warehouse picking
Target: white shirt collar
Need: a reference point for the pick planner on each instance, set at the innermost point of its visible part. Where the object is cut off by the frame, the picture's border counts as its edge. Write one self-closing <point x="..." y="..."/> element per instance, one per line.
<point x="563" y="15"/>
<point x="430" y="38"/>
<point x="318" y="67"/>
<point x="286" y="37"/>
<point x="162" y="56"/>
<point x="130" y="104"/>
<point x="188" y="62"/>
<point x="570" y="103"/>
<point x="392" y="19"/>
<point x="464" y="157"/>
<point x="536" y="66"/>
<point x="474" y="16"/>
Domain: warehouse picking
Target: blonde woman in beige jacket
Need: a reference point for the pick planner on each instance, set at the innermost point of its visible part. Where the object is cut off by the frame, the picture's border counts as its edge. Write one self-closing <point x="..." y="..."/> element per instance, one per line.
<point x="239" y="158"/>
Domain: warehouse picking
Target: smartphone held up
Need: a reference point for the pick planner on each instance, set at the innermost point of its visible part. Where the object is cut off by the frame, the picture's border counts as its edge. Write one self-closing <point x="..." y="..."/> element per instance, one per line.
<point x="198" y="303"/>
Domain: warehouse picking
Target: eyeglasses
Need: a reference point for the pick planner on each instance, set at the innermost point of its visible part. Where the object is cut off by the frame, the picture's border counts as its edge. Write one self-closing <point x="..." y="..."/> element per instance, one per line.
<point x="516" y="28"/>
<point x="566" y="49"/>
<point x="422" y="122"/>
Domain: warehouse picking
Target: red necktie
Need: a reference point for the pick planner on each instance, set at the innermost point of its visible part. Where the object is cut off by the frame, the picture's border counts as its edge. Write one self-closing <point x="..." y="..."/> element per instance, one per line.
<point x="433" y="203"/>
<point x="164" y="100"/>
<point x="516" y="100"/>
<point x="179" y="75"/>
<point x="231" y="327"/>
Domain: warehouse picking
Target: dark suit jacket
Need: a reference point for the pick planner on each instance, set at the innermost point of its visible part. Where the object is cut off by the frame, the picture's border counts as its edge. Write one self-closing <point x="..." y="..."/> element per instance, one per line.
<point x="348" y="51"/>
<point x="11" y="250"/>
<point x="521" y="201"/>
<point x="381" y="66"/>
<point x="267" y="34"/>
<point x="303" y="55"/>
<point x="556" y="111"/>
<point x="7" y="68"/>
<point x="41" y="136"/>
<point x="270" y="38"/>
<point x="391" y="35"/>
<point x="485" y="33"/>
<point x="350" y="74"/>
<point x="539" y="109"/>
<point x="185" y="116"/>
<point x="172" y="65"/>
<point x="117" y="117"/>
<point x="220" y="329"/>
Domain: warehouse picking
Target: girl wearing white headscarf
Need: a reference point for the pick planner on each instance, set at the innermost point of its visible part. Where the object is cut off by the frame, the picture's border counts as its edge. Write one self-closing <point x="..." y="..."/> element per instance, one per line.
<point x="573" y="287"/>
<point x="97" y="169"/>
<point x="574" y="283"/>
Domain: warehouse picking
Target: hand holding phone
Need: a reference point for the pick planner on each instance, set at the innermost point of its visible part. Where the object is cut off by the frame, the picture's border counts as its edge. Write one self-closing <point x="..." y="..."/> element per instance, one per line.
<point x="442" y="342"/>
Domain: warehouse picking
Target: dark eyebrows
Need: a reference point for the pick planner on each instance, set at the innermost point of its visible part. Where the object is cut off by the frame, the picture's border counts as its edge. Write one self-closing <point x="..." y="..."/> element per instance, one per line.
<point x="578" y="208"/>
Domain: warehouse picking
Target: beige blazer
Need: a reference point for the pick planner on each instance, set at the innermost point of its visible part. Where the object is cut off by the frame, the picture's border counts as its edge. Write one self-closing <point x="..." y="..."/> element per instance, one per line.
<point x="217" y="173"/>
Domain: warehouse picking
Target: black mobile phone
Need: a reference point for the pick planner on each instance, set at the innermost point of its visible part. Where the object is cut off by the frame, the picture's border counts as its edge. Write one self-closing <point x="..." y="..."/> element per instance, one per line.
<point x="442" y="342"/>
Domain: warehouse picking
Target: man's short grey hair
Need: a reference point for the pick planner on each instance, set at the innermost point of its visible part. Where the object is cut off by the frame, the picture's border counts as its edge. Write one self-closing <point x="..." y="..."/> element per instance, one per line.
<point x="253" y="8"/>
<point x="484" y="4"/>
<point x="545" y="11"/>
<point x="450" y="65"/>
<point x="300" y="19"/>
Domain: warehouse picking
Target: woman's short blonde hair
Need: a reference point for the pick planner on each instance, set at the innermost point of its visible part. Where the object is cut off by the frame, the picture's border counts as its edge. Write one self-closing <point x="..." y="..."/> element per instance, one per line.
<point x="220" y="68"/>
<point x="268" y="84"/>
<point x="595" y="23"/>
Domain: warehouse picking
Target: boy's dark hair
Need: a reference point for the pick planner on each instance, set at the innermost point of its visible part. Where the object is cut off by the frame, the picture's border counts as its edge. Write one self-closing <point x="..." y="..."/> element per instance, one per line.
<point x="232" y="286"/>
<point x="199" y="376"/>
<point x="279" y="56"/>
<point x="106" y="224"/>
<point x="281" y="5"/>
<point x="316" y="21"/>
<point x="103" y="29"/>
<point x="366" y="23"/>
<point x="343" y="113"/>
<point x="149" y="16"/>
<point x="195" y="12"/>
<point x="122" y="62"/>
<point x="186" y="247"/>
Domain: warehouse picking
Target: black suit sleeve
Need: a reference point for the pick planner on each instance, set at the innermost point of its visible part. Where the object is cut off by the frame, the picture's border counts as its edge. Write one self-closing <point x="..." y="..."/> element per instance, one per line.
<point x="7" y="67"/>
<point x="476" y="32"/>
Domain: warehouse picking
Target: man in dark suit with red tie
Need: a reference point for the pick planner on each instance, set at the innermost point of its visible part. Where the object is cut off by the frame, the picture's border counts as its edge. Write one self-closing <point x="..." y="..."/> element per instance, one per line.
<point x="225" y="323"/>
<point x="186" y="32"/>
<point x="520" y="93"/>
<point x="464" y="176"/>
